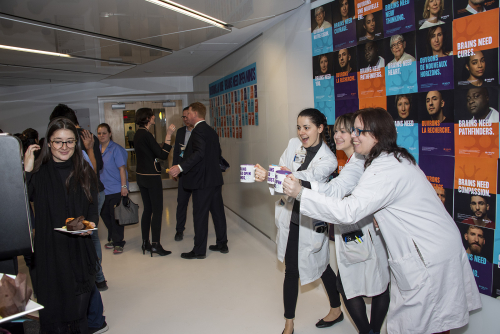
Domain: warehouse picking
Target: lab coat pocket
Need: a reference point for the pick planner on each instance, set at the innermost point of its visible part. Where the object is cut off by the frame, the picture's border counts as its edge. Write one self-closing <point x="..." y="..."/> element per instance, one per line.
<point x="409" y="271"/>
<point x="280" y="212"/>
<point x="317" y="241"/>
<point x="355" y="252"/>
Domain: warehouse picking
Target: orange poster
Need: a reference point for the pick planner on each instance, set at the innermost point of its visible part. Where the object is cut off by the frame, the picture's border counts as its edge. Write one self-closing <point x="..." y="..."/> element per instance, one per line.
<point x="475" y="33"/>
<point x="374" y="102"/>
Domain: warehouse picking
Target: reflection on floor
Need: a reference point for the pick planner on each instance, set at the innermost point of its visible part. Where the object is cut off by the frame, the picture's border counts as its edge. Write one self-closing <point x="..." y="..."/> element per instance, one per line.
<point x="239" y="292"/>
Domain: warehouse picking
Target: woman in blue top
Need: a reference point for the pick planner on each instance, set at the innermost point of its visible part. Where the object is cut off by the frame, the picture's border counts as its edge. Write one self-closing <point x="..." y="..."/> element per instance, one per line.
<point x="114" y="176"/>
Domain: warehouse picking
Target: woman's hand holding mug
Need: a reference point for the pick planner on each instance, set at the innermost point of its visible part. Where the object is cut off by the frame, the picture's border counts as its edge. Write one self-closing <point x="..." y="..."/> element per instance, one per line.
<point x="291" y="186"/>
<point x="260" y="173"/>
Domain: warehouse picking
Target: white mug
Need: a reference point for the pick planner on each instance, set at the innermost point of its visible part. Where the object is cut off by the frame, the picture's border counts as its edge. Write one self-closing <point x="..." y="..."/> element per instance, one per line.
<point x="247" y="173"/>
<point x="280" y="177"/>
<point x="271" y="174"/>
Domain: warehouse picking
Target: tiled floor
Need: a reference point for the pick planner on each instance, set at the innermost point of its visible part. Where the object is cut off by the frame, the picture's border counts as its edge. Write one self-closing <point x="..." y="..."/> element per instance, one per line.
<point x="239" y="292"/>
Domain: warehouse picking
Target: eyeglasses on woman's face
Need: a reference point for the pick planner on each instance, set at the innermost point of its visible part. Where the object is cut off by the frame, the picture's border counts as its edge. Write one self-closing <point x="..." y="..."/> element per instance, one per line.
<point x="58" y="144"/>
<point x="358" y="132"/>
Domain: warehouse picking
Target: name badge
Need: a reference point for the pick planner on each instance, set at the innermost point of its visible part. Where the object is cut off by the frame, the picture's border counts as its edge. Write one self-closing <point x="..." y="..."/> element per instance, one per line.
<point x="300" y="155"/>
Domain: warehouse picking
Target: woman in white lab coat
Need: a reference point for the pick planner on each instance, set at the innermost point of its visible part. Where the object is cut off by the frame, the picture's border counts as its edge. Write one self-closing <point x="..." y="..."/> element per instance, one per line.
<point x="302" y="242"/>
<point x="362" y="261"/>
<point x="433" y="288"/>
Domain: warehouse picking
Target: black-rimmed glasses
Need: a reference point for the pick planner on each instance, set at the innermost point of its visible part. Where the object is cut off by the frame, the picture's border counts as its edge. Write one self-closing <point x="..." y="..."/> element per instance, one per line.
<point x="358" y="132"/>
<point x="58" y="144"/>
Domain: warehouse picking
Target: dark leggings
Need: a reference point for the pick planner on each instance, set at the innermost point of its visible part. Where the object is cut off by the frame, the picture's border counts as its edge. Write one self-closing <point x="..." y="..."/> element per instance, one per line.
<point x="357" y="309"/>
<point x="152" y="198"/>
<point x="291" y="283"/>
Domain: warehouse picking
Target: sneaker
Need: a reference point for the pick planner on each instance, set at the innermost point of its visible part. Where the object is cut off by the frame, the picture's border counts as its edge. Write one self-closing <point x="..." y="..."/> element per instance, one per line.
<point x="109" y="245"/>
<point x="118" y="250"/>
<point x="102" y="329"/>
<point x="101" y="286"/>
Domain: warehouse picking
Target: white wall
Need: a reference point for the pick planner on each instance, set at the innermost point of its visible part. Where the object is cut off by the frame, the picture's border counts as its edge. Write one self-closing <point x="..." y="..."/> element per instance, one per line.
<point x="284" y="79"/>
<point x="22" y="107"/>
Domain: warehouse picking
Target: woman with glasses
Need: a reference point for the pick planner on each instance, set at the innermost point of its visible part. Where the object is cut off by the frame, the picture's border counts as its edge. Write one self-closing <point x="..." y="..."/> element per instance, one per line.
<point x="62" y="185"/>
<point x="302" y="242"/>
<point x="114" y="176"/>
<point x="433" y="288"/>
<point x="149" y="178"/>
<point x="361" y="254"/>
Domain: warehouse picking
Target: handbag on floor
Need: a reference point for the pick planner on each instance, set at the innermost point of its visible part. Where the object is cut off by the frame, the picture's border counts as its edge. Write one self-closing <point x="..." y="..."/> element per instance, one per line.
<point x="127" y="212"/>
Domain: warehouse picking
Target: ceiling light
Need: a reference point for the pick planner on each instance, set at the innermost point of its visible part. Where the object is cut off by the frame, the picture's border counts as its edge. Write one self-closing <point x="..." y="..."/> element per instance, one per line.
<point x="118" y="106"/>
<point x="191" y="12"/>
<point x="168" y="104"/>
<point x="57" y="54"/>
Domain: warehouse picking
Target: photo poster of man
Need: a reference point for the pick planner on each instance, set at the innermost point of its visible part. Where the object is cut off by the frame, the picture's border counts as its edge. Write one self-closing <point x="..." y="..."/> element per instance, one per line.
<point x="435" y="58"/>
<point x="440" y="173"/>
<point x="399" y="16"/>
<point x="321" y="29"/>
<point x="404" y="109"/>
<point x="478" y="243"/>
<point x="463" y="8"/>
<point x="233" y="102"/>
<point x="475" y="46"/>
<point x="369" y="25"/>
<point x="430" y="13"/>
<point x="401" y="66"/>
<point x="346" y="74"/>
<point x="476" y="122"/>
<point x="371" y="74"/>
<point x="344" y="24"/>
<point x="437" y="130"/>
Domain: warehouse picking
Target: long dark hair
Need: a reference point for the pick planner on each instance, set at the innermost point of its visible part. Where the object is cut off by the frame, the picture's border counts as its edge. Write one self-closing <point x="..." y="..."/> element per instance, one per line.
<point x="318" y="119"/>
<point x="384" y="131"/>
<point x="82" y="172"/>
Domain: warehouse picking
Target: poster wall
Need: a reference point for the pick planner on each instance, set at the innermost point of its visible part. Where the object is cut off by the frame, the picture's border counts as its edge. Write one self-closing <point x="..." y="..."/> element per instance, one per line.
<point x="234" y="102"/>
<point x="434" y="66"/>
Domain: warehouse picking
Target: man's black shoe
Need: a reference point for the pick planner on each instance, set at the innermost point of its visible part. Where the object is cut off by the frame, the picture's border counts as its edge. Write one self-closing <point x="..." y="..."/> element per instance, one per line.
<point x="191" y="255"/>
<point x="179" y="236"/>
<point x="219" y="248"/>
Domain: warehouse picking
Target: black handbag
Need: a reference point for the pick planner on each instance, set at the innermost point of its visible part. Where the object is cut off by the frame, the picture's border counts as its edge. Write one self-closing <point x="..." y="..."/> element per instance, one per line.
<point x="127" y="212"/>
<point x="223" y="164"/>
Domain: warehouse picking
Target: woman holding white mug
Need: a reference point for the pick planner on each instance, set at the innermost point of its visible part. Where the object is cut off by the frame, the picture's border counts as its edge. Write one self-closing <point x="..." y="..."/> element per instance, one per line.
<point x="433" y="288"/>
<point x="361" y="254"/>
<point x="303" y="242"/>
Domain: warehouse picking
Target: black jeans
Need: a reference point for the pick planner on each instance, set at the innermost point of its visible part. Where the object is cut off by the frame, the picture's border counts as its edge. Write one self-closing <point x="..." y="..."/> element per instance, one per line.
<point x="183" y="196"/>
<point x="115" y="230"/>
<point x="291" y="283"/>
<point x="357" y="309"/>
<point x="152" y="198"/>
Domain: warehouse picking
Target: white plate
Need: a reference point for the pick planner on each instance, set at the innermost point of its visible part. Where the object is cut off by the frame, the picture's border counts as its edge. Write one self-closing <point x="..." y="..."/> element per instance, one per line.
<point x="30" y="307"/>
<point x="74" y="232"/>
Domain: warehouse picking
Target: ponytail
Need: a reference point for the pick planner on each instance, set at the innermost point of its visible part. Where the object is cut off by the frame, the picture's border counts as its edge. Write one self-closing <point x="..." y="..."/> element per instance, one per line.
<point x="318" y="119"/>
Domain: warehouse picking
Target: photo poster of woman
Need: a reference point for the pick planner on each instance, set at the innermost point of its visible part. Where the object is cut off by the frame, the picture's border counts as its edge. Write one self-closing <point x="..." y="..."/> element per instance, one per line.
<point x="324" y="90"/>
<point x="440" y="171"/>
<point x="369" y="25"/>
<point x="404" y="110"/>
<point x="435" y="58"/>
<point x="346" y="74"/>
<point x="475" y="46"/>
<point x="475" y="214"/>
<point x="476" y="122"/>
<point x="399" y="16"/>
<point x="430" y="13"/>
<point x="344" y="24"/>
<point x="371" y="74"/>
<point x="321" y="29"/>
<point x="463" y="8"/>
<point x="401" y="66"/>
<point x="436" y="117"/>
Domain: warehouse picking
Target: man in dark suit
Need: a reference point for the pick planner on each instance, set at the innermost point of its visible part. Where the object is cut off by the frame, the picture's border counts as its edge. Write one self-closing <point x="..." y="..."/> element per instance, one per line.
<point x="202" y="174"/>
<point x="183" y="195"/>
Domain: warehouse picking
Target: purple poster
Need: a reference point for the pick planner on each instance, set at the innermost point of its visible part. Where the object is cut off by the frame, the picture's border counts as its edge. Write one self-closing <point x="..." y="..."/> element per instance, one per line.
<point x="483" y="273"/>
<point x="344" y="24"/>
<point x="346" y="106"/>
<point x="399" y="17"/>
<point x="439" y="171"/>
<point x="346" y="82"/>
<point x="436" y="135"/>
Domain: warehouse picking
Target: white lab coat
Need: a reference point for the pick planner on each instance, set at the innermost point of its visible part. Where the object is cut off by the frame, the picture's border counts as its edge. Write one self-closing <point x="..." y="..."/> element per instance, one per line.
<point x="433" y="288"/>
<point x="314" y="253"/>
<point x="363" y="267"/>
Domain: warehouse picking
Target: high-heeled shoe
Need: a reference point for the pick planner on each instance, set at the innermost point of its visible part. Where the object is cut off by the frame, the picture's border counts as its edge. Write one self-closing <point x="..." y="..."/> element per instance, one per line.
<point x="146" y="246"/>
<point x="158" y="249"/>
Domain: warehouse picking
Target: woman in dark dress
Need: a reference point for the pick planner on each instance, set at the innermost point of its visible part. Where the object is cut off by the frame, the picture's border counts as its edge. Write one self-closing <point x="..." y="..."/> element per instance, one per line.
<point x="62" y="185"/>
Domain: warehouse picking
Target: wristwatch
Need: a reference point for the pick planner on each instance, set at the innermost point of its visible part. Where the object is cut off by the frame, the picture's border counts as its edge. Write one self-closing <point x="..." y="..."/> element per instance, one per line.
<point x="124" y="186"/>
<point x="299" y="194"/>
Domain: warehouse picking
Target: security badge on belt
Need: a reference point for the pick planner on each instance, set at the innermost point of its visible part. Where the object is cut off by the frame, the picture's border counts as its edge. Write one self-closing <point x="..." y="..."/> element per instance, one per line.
<point x="300" y="155"/>
<point x="183" y="147"/>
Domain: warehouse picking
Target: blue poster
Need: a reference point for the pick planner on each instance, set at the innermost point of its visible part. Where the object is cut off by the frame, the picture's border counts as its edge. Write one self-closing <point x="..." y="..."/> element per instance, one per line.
<point x="408" y="136"/>
<point x="324" y="89"/>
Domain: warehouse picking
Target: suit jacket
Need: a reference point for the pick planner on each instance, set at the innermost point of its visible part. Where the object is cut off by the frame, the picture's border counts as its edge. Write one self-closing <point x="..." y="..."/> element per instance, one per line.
<point x="200" y="165"/>
<point x="179" y="140"/>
